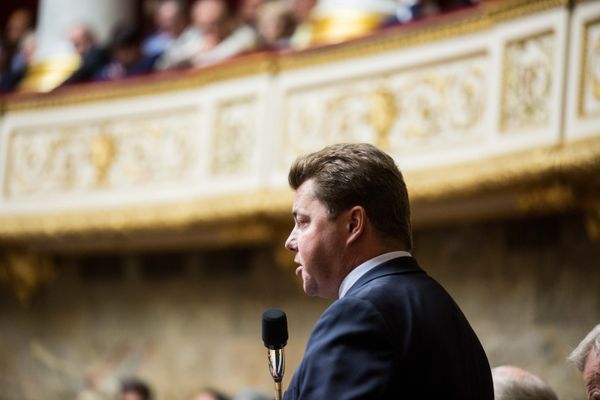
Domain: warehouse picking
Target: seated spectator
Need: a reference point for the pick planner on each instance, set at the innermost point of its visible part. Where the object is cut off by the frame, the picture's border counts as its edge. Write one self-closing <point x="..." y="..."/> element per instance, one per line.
<point x="209" y="394"/>
<point x="180" y="52"/>
<point x="211" y="38"/>
<point x="586" y="357"/>
<point x="170" y="20"/>
<point x="135" y="389"/>
<point x="275" y="25"/>
<point x="251" y="395"/>
<point x="223" y="39"/>
<point x="513" y="383"/>
<point x="93" y="57"/>
<point x="18" y="45"/>
<point x="127" y="58"/>
<point x="303" y="34"/>
<point x="19" y="64"/>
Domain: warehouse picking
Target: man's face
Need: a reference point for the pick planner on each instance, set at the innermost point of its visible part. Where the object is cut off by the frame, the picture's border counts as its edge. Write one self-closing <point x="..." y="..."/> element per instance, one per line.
<point x="318" y="242"/>
<point x="591" y="375"/>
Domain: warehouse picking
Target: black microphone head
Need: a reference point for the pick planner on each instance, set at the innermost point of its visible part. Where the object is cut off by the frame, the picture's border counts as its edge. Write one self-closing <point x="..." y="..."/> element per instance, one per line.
<point x="274" y="329"/>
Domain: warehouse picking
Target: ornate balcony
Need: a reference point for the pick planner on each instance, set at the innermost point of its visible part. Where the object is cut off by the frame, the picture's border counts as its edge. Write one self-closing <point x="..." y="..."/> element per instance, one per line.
<point x="491" y="111"/>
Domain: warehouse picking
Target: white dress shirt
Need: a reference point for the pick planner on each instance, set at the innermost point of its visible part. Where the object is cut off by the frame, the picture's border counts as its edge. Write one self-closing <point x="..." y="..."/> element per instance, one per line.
<point x="365" y="267"/>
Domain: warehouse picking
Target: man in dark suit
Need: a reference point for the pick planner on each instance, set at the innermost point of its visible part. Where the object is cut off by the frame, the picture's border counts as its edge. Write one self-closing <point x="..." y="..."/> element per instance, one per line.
<point x="393" y="332"/>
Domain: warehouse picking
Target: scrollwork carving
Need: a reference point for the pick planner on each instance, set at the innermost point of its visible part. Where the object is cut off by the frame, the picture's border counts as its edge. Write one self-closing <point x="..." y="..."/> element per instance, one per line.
<point x="125" y="152"/>
<point x="527" y="82"/>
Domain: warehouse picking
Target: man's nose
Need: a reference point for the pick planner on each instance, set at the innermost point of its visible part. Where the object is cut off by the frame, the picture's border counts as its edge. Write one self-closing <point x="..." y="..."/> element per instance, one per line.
<point x="290" y="242"/>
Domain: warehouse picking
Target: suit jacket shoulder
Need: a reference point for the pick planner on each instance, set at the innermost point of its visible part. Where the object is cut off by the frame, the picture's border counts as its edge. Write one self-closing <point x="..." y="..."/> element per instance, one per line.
<point x="396" y="334"/>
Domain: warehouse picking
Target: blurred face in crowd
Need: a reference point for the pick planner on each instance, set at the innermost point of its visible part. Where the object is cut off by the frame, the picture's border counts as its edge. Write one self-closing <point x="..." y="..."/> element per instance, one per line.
<point x="81" y="38"/>
<point x="131" y="395"/>
<point x="17" y="25"/>
<point x="302" y="9"/>
<point x="319" y="243"/>
<point x="169" y="18"/>
<point x="591" y="375"/>
<point x="249" y="10"/>
<point x="212" y="18"/>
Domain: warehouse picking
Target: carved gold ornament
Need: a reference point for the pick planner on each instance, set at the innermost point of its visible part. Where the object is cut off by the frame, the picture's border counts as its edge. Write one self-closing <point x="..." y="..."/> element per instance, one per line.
<point x="235" y="137"/>
<point x="404" y="111"/>
<point x="127" y="152"/>
<point x="527" y="82"/>
<point x="25" y="272"/>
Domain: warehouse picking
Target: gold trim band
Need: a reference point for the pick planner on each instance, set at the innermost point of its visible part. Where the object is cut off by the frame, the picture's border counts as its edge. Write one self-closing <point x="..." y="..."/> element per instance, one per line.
<point x="501" y="173"/>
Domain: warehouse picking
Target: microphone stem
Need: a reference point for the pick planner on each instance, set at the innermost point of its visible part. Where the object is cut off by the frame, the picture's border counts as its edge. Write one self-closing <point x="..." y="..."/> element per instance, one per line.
<point x="278" y="391"/>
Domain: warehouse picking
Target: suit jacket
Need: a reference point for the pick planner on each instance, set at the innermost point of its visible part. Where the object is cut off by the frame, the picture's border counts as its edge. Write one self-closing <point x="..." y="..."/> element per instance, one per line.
<point x="396" y="334"/>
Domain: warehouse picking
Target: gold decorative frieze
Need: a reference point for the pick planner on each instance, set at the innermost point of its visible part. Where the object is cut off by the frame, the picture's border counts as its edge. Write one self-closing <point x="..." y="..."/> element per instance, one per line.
<point x="589" y="101"/>
<point x="527" y="82"/>
<point x="101" y="154"/>
<point x="235" y="136"/>
<point x="421" y="108"/>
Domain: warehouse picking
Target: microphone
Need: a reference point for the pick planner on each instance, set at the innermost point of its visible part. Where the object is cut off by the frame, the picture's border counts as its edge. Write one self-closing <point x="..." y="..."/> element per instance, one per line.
<point x="275" y="336"/>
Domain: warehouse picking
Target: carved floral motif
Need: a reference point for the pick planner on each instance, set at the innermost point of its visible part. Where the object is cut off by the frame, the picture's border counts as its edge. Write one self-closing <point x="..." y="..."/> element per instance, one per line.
<point x="527" y="82"/>
<point x="425" y="107"/>
<point x="121" y="153"/>
<point x="235" y="137"/>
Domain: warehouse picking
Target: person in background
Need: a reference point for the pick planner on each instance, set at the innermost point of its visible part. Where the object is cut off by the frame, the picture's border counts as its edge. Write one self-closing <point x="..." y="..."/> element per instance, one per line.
<point x="210" y="394"/>
<point x="210" y="23"/>
<point x="303" y="33"/>
<point x="17" y="69"/>
<point x="170" y="19"/>
<point x="586" y="358"/>
<point x="17" y="43"/>
<point x="513" y="383"/>
<point x="134" y="389"/>
<point x="223" y="37"/>
<point x="275" y="25"/>
<point x="127" y="58"/>
<point x="93" y="57"/>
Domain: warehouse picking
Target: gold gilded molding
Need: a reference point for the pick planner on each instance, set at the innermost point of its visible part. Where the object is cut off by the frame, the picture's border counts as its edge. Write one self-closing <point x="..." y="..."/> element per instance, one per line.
<point x="485" y="16"/>
<point x="527" y="80"/>
<point x="520" y="168"/>
<point x="234" y="136"/>
<point x="100" y="153"/>
<point x="382" y="114"/>
<point x="554" y="197"/>
<point x="515" y="170"/>
<point x="143" y="86"/>
<point x="25" y="272"/>
<point x="585" y="73"/>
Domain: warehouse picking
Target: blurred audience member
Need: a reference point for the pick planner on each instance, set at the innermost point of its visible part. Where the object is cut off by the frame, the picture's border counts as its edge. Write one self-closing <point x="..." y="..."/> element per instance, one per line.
<point x="17" y="43"/>
<point x="170" y="19"/>
<point x="249" y="11"/>
<point x="135" y="389"/>
<point x="303" y="34"/>
<point x="275" y="25"/>
<point x="209" y="394"/>
<point x="586" y="357"/>
<point x="93" y="57"/>
<point x="127" y="58"/>
<point x="513" y="383"/>
<point x="222" y="38"/>
<point x="20" y="62"/>
<point x="252" y="395"/>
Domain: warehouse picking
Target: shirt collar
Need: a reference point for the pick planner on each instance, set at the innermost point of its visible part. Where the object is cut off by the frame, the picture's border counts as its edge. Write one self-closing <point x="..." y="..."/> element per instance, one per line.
<point x="365" y="267"/>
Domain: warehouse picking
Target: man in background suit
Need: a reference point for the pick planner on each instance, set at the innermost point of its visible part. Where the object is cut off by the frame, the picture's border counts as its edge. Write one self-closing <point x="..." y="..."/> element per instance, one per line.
<point x="393" y="332"/>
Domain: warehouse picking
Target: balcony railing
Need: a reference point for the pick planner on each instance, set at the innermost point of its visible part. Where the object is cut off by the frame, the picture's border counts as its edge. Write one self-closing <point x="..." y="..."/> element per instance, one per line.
<point x="493" y="109"/>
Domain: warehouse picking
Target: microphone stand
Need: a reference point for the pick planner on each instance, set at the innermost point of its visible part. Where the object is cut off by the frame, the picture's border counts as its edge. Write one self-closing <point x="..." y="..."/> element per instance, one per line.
<point x="277" y="368"/>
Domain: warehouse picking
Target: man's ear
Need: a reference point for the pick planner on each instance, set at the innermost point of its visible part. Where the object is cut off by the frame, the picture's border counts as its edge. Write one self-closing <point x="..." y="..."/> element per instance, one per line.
<point x="357" y="218"/>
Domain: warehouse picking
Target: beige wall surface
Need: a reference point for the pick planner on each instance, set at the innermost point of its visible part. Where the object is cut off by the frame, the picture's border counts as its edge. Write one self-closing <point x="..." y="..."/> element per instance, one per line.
<point x="529" y="287"/>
